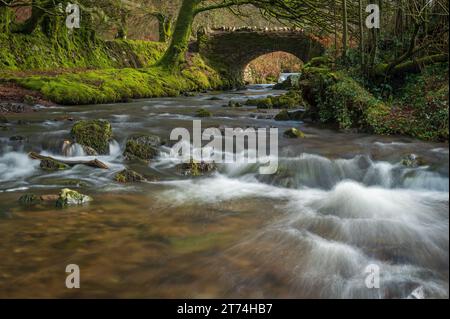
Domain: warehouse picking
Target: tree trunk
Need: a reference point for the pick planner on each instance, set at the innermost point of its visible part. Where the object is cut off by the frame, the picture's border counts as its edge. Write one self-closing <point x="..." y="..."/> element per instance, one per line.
<point x="175" y="54"/>
<point x="37" y="13"/>
<point x="345" y="30"/>
<point x="165" y="27"/>
<point x="361" y="34"/>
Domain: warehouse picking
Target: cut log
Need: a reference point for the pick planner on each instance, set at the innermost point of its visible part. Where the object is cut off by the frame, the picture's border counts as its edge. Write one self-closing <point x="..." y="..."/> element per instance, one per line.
<point x="94" y="163"/>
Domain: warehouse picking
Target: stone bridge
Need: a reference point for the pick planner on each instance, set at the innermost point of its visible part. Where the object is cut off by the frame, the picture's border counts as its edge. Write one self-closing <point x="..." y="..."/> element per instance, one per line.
<point x="230" y="50"/>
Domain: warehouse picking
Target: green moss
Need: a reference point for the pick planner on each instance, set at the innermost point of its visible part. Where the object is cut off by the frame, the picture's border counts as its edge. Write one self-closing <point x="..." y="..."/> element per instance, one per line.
<point x="53" y="165"/>
<point x="68" y="197"/>
<point x="95" y="134"/>
<point x="203" y="113"/>
<point x="265" y="103"/>
<point x="142" y="147"/>
<point x="128" y="176"/>
<point x="294" y="133"/>
<point x="283" y="116"/>
<point x="234" y="104"/>
<point x="117" y="85"/>
<point x="39" y="51"/>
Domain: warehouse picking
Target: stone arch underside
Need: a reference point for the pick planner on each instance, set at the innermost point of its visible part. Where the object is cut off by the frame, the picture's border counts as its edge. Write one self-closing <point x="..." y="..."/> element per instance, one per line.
<point x="231" y="52"/>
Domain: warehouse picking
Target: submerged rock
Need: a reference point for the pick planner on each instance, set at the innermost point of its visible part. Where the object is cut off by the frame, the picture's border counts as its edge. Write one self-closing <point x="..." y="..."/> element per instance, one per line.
<point x="53" y="165"/>
<point x="129" y="176"/>
<point x="196" y="168"/>
<point x="294" y="133"/>
<point x="203" y="113"/>
<point x="30" y="200"/>
<point x="95" y="134"/>
<point x="142" y="147"/>
<point x="69" y="197"/>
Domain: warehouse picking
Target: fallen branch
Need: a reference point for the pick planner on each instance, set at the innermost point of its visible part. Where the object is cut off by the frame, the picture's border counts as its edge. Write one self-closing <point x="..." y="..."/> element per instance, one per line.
<point x="94" y="163"/>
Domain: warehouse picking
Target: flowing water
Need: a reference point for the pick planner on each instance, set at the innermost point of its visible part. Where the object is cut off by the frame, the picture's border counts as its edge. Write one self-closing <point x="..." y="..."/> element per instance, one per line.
<point x="338" y="203"/>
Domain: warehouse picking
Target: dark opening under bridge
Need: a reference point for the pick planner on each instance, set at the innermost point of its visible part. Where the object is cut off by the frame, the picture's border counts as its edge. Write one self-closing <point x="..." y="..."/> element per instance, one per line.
<point x="231" y="50"/>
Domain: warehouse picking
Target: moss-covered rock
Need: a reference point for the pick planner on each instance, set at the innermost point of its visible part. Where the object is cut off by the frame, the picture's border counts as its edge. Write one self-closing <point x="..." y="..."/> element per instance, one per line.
<point x="95" y="134"/>
<point x="129" y="176"/>
<point x="234" y="104"/>
<point x="195" y="168"/>
<point x="142" y="147"/>
<point x="68" y="197"/>
<point x="53" y="165"/>
<point x="203" y="113"/>
<point x="283" y="116"/>
<point x="294" y="133"/>
<point x="265" y="103"/>
<point x="412" y="161"/>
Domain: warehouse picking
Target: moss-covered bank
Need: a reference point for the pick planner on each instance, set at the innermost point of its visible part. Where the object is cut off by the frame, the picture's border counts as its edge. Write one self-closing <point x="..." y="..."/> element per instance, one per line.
<point x="72" y="69"/>
<point x="41" y="52"/>
<point x="417" y="106"/>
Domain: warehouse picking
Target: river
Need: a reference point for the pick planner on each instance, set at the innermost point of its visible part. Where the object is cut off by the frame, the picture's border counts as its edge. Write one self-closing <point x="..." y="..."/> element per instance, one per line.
<point x="339" y="203"/>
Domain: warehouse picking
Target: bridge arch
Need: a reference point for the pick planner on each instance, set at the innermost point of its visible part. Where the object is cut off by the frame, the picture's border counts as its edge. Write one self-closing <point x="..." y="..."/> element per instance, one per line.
<point x="231" y="51"/>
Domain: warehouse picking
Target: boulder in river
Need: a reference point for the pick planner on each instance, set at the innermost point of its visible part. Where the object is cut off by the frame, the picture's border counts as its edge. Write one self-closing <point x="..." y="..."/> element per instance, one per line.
<point x="142" y="147"/>
<point x="129" y="176"/>
<point x="283" y="116"/>
<point x="195" y="168"/>
<point x="234" y="104"/>
<point x="294" y="133"/>
<point x="68" y="197"/>
<point x="412" y="161"/>
<point x="53" y="165"/>
<point x="95" y="134"/>
<point x="203" y="113"/>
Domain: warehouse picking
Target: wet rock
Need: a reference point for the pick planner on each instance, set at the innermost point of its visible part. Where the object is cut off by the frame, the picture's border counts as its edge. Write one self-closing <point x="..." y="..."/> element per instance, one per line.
<point x="413" y="161"/>
<point x="283" y="116"/>
<point x="215" y="98"/>
<point x="89" y="150"/>
<point x="29" y="200"/>
<point x="264" y="103"/>
<point x="203" y="113"/>
<point x="3" y="119"/>
<point x="418" y="293"/>
<point x="195" y="168"/>
<point x="234" y="104"/>
<point x="129" y="176"/>
<point x="142" y="147"/>
<point x="53" y="165"/>
<point x="95" y="134"/>
<point x="294" y="133"/>
<point x="297" y="115"/>
<point x="69" y="197"/>
<point x="17" y="138"/>
<point x="29" y="100"/>
<point x="7" y="107"/>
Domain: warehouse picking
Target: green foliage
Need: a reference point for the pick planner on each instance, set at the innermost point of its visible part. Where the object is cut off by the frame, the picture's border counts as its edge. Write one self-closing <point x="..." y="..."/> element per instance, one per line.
<point x="421" y="105"/>
<point x="337" y="98"/>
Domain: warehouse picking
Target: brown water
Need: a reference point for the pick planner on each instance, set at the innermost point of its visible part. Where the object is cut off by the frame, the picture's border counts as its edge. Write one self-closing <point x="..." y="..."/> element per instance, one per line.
<point x="338" y="203"/>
